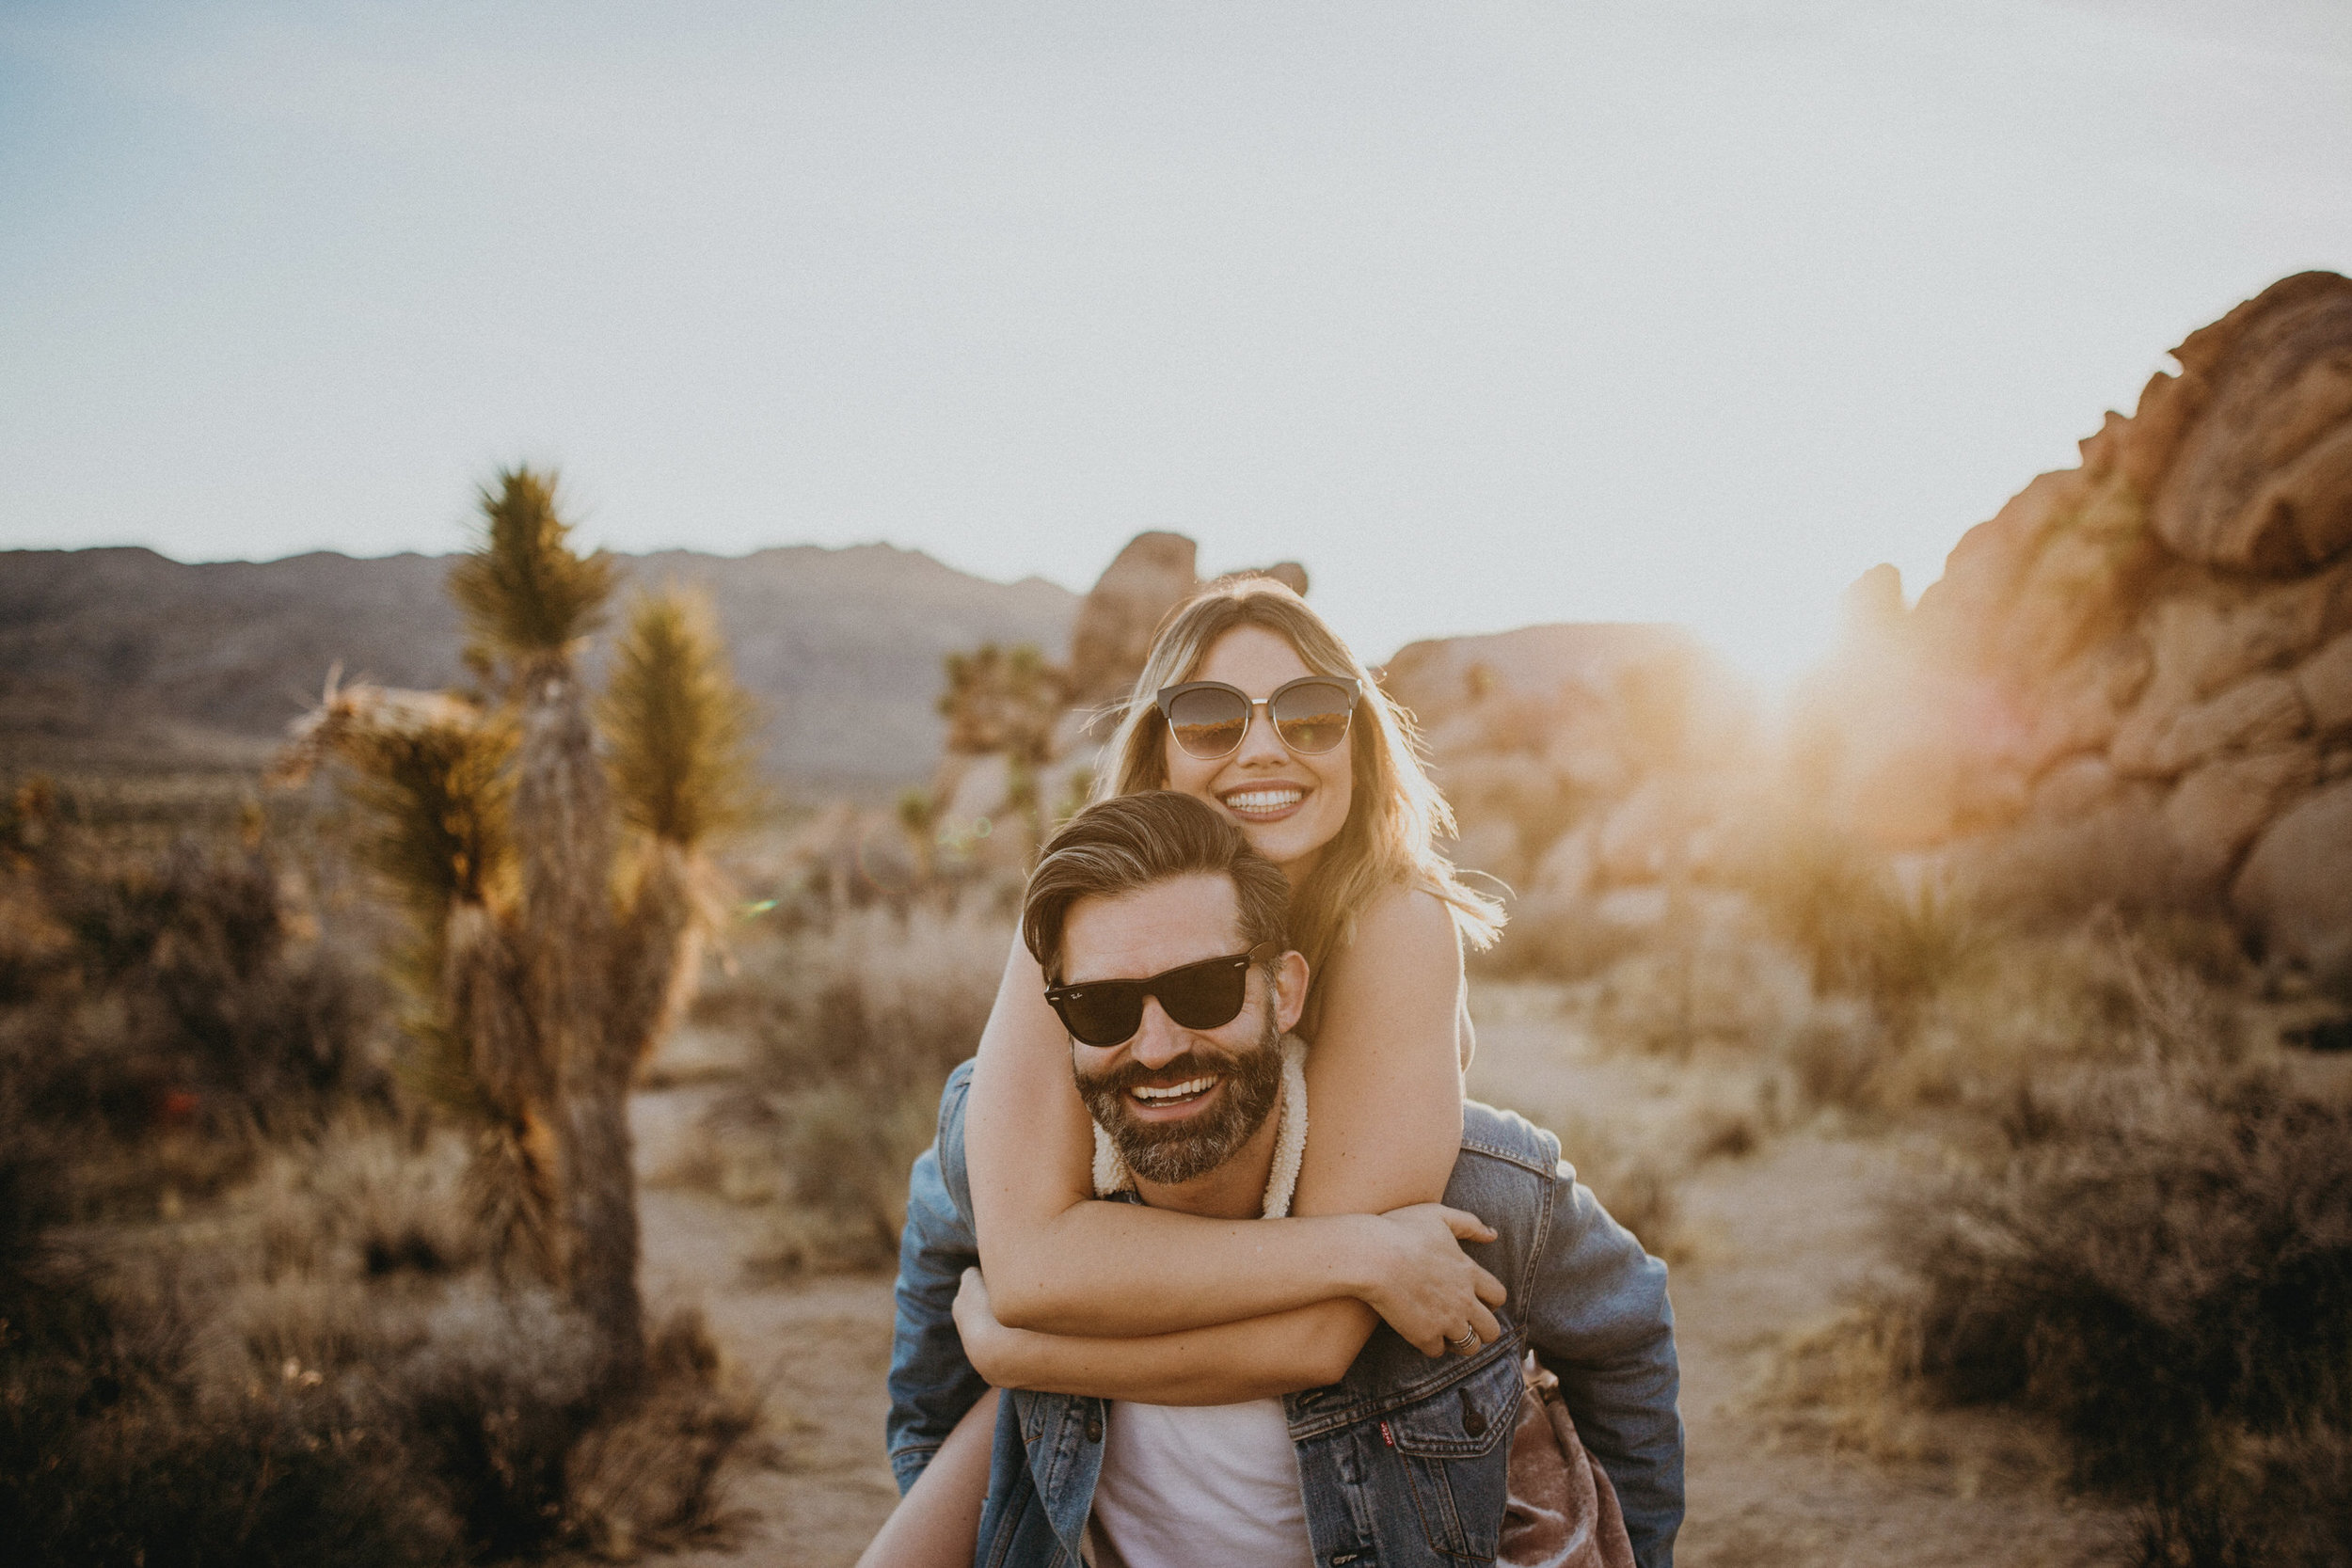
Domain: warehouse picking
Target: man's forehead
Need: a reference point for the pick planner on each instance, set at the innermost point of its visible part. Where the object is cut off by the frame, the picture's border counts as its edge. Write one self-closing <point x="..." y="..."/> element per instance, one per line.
<point x="1128" y="936"/>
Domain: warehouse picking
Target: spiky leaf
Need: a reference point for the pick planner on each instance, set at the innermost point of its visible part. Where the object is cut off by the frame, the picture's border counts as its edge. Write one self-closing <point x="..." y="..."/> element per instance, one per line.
<point x="678" y="726"/>
<point x="524" y="589"/>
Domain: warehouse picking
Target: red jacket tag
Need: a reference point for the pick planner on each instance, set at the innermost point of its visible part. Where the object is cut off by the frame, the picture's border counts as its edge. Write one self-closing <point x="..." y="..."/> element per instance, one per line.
<point x="1386" y="1436"/>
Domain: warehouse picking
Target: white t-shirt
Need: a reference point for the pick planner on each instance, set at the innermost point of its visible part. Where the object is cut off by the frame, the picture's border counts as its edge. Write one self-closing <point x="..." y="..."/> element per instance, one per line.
<point x="1203" y="1486"/>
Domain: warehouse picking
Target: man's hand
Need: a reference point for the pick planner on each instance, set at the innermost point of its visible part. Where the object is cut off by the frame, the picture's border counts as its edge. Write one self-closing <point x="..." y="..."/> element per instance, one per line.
<point x="1422" y="1281"/>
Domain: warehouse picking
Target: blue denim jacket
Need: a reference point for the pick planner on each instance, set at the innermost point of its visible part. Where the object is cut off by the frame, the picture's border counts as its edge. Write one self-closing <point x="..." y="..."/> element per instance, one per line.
<point x="1403" y="1462"/>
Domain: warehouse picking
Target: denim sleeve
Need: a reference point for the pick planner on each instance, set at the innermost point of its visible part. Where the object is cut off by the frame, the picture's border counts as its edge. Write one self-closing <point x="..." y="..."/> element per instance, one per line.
<point x="931" y="1383"/>
<point x="1607" y="1334"/>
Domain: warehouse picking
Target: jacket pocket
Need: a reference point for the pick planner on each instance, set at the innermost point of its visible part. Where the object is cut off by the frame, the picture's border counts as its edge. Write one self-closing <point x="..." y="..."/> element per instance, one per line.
<point x="1454" y="1448"/>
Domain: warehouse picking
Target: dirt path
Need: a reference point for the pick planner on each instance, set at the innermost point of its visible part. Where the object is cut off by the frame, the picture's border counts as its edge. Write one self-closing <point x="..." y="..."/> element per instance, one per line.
<point x="820" y="1347"/>
<point x="1777" y="1236"/>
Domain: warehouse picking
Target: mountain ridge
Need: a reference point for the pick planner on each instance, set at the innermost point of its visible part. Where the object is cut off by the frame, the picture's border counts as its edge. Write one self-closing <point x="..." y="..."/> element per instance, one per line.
<point x="841" y="645"/>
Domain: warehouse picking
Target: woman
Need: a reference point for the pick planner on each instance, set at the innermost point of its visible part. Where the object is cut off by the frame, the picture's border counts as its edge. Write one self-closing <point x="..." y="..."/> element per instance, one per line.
<point x="1317" y="768"/>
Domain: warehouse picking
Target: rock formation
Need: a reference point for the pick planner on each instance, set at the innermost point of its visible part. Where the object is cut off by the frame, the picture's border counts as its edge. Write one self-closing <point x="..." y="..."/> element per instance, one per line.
<point x="2136" y="681"/>
<point x="1578" y="758"/>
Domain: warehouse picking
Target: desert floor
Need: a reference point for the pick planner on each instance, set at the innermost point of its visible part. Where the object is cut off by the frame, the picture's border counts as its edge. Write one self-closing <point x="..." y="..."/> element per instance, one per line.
<point x="1773" y="1239"/>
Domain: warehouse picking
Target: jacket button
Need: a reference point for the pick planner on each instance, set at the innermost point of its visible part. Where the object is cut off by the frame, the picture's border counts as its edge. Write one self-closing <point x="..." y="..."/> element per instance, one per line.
<point x="1474" y="1418"/>
<point x="1094" y="1427"/>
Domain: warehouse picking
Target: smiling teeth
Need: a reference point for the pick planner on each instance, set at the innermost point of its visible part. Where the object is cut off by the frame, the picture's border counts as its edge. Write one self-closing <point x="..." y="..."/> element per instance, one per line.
<point x="1144" y="1091"/>
<point x="1264" y="800"/>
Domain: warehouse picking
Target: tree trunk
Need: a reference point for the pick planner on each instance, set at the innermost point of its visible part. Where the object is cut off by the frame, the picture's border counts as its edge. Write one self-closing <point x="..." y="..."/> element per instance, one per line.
<point x="564" y="836"/>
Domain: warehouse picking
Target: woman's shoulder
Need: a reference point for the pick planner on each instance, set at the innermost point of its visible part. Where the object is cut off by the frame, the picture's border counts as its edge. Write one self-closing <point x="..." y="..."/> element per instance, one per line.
<point x="1403" y="923"/>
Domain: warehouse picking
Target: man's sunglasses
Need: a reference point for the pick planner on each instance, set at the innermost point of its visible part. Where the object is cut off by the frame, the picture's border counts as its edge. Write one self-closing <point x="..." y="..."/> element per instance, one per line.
<point x="1210" y="718"/>
<point x="1203" y="995"/>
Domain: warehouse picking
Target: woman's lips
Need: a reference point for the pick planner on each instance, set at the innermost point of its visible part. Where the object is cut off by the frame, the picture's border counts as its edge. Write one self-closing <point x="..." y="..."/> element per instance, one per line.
<point x="1263" y="803"/>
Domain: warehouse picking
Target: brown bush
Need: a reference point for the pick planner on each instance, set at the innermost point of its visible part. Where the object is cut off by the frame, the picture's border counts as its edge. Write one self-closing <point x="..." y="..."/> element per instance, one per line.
<point x="2162" y="1266"/>
<point x="856" y="1018"/>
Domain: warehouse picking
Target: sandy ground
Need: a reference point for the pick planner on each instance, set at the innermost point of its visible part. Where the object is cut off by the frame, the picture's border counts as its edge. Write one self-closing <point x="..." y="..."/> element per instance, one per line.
<point x="1776" y="1236"/>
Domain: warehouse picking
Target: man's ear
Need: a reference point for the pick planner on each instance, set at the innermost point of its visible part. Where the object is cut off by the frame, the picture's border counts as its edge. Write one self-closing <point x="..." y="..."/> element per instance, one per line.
<point x="1290" y="989"/>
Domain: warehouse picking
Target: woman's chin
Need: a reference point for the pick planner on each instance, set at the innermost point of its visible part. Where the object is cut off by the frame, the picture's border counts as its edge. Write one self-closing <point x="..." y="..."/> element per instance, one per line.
<point x="1294" y="844"/>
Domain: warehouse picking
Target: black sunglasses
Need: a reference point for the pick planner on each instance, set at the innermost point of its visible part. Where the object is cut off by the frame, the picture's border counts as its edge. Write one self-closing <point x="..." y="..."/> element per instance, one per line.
<point x="1210" y="718"/>
<point x="1203" y="995"/>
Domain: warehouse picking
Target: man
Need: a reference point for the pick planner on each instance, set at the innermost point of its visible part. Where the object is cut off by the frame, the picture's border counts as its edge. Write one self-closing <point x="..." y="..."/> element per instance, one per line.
<point x="1164" y="932"/>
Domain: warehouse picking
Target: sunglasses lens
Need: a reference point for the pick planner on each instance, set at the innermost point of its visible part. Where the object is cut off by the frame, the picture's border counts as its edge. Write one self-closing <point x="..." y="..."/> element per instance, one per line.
<point x="1102" y="1015"/>
<point x="1312" y="716"/>
<point x="1208" y="722"/>
<point x="1204" y="995"/>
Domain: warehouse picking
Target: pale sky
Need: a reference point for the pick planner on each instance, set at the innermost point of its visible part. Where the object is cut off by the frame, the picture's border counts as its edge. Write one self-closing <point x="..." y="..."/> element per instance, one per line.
<point x="1492" y="313"/>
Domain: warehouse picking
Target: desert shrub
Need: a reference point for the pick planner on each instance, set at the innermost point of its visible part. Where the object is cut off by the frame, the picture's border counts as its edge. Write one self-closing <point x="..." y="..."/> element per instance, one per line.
<point x="653" y="1475"/>
<point x="2162" y="1266"/>
<point x="1863" y="928"/>
<point x="111" y="1452"/>
<point x="257" y="1394"/>
<point x="2108" y="991"/>
<point x="1708" y="979"/>
<point x="856" y="1020"/>
<point x="173" y="1005"/>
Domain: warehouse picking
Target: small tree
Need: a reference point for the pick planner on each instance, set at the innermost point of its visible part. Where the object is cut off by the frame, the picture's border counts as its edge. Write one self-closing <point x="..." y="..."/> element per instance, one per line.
<point x="1007" y="701"/>
<point x="559" y="890"/>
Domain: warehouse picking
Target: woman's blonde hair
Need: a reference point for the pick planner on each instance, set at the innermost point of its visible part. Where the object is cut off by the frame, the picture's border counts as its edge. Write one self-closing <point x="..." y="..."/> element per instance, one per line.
<point x="1396" y="814"/>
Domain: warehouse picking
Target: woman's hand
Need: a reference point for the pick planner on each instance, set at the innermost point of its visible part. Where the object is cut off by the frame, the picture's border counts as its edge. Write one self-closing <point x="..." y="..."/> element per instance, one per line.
<point x="987" y="1343"/>
<point x="1423" y="1282"/>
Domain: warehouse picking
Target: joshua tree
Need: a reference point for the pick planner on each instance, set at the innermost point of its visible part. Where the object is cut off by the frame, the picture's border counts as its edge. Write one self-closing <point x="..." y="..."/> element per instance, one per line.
<point x="1007" y="700"/>
<point x="559" y="891"/>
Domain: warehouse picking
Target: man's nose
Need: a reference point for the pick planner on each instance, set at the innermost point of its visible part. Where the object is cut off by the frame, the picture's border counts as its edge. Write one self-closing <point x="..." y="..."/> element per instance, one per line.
<point x="1259" y="744"/>
<point x="1158" y="1041"/>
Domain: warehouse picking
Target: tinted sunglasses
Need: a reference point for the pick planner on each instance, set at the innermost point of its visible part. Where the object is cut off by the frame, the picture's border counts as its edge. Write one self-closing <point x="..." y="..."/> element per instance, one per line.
<point x="1203" y="995"/>
<point x="1210" y="718"/>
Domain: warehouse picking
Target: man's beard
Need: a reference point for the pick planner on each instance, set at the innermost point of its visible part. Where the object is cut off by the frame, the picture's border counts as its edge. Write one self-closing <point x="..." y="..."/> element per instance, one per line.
<point x="1174" y="1152"/>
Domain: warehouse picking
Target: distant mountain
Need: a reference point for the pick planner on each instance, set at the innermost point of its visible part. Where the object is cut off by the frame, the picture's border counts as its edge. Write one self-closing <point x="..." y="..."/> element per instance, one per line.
<point x="106" y="649"/>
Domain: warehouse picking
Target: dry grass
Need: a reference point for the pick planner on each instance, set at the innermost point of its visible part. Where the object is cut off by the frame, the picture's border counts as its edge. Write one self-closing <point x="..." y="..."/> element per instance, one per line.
<point x="855" y="1019"/>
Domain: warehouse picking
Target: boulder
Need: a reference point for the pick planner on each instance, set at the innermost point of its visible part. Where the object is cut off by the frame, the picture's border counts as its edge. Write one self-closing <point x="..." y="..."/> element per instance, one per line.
<point x="2263" y="480"/>
<point x="1638" y="840"/>
<point x="2251" y="715"/>
<point x="1961" y="614"/>
<point x="1112" y="635"/>
<point x="2073" y="787"/>
<point x="2325" y="683"/>
<point x="2080" y="709"/>
<point x="2218" y="810"/>
<point x="2295" y="890"/>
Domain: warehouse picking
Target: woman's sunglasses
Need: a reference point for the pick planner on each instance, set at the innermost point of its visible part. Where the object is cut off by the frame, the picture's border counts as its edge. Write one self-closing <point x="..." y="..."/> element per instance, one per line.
<point x="1203" y="995"/>
<point x="1210" y="718"/>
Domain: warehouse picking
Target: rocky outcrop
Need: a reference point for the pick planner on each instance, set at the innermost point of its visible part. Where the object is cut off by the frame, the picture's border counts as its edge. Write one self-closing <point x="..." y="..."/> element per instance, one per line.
<point x="1579" y="758"/>
<point x="1112" y="634"/>
<point x="2154" y="648"/>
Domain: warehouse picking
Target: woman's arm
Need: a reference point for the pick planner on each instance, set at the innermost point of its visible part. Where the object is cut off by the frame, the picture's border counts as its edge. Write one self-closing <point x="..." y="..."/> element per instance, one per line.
<point x="1059" y="1263"/>
<point x="1384" y="1080"/>
<point x="1307" y="1347"/>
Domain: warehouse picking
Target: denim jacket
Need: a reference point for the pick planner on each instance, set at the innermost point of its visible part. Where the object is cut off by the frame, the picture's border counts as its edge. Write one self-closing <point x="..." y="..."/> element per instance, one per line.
<point x="1403" y="1462"/>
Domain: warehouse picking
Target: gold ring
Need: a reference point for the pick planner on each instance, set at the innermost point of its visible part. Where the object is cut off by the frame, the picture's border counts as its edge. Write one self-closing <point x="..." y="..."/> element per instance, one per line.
<point x="1465" y="1344"/>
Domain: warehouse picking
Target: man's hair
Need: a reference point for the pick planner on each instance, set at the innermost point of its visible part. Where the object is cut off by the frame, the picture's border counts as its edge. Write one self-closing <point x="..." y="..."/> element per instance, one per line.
<point x="1130" y="841"/>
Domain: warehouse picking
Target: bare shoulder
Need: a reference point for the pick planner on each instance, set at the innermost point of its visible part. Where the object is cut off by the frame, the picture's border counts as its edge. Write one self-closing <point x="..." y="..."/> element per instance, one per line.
<point x="1405" y="933"/>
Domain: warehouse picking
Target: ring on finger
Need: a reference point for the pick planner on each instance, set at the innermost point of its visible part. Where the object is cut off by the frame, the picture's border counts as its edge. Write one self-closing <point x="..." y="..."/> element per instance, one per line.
<point x="1464" y="1342"/>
